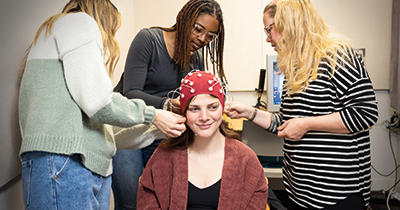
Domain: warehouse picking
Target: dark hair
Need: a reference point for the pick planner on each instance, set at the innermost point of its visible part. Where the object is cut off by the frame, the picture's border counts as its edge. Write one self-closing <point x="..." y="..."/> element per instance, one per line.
<point x="184" y="23"/>
<point x="187" y="138"/>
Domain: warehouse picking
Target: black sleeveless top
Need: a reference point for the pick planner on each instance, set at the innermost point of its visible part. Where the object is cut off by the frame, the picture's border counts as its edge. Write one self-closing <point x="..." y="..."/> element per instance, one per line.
<point x="203" y="199"/>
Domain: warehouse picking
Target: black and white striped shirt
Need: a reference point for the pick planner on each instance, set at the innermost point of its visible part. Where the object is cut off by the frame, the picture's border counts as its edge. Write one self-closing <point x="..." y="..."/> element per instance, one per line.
<point x="323" y="168"/>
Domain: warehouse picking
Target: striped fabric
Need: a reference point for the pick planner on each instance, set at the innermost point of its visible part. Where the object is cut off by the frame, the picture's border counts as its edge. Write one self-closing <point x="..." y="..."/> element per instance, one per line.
<point x="323" y="168"/>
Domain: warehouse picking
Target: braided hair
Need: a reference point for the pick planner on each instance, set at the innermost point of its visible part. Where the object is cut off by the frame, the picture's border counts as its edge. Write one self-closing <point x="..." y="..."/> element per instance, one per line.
<point x="185" y="21"/>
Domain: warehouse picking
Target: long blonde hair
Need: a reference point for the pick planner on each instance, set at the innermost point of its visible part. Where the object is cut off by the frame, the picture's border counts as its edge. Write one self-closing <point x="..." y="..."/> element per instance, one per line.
<point x="306" y="40"/>
<point x="108" y="19"/>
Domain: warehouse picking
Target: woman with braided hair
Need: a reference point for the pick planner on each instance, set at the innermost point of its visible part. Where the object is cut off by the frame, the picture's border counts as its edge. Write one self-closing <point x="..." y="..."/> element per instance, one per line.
<point x="158" y="58"/>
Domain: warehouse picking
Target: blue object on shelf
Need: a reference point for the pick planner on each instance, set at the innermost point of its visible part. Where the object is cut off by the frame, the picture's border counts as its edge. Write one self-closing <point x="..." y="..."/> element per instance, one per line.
<point x="271" y="161"/>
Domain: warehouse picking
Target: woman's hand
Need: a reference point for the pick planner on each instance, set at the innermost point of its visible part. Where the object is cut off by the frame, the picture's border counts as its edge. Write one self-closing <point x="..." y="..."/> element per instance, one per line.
<point x="236" y="110"/>
<point x="293" y="129"/>
<point x="171" y="124"/>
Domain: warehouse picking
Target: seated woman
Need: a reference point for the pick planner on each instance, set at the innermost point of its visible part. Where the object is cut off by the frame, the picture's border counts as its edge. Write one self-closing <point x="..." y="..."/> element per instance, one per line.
<point x="206" y="167"/>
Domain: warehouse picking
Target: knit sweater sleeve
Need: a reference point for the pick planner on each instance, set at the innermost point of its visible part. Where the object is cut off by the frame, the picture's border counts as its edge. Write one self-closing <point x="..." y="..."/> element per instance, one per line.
<point x="147" y="194"/>
<point x="80" y="47"/>
<point x="255" y="189"/>
<point x="154" y="187"/>
<point x="259" y="194"/>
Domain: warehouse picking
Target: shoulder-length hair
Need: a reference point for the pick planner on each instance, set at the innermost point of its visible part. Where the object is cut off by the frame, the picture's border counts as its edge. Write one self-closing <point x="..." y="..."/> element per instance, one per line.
<point x="306" y="40"/>
<point x="108" y="19"/>
<point x="185" y="140"/>
<point x="185" y="21"/>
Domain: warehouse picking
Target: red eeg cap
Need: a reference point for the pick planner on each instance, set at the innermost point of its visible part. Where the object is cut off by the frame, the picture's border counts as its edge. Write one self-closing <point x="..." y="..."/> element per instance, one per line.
<point x="200" y="82"/>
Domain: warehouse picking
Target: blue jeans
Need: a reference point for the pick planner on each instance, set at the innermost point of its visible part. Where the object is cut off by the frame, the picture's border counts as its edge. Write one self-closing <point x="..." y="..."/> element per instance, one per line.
<point x="149" y="150"/>
<point x="54" y="181"/>
<point x="128" y="167"/>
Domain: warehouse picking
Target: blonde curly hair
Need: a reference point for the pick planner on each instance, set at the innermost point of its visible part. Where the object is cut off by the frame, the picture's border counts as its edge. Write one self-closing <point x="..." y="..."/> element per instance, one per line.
<point x="306" y="40"/>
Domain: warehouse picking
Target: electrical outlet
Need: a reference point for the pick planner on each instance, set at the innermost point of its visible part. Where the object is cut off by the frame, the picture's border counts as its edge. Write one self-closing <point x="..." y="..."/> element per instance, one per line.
<point x="394" y="122"/>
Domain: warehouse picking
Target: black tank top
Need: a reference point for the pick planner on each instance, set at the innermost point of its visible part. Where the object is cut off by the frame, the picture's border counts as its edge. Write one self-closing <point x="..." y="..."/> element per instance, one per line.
<point x="203" y="199"/>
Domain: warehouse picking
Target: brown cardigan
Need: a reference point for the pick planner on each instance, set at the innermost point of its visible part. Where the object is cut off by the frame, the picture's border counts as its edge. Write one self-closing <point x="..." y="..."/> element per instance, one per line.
<point x="164" y="183"/>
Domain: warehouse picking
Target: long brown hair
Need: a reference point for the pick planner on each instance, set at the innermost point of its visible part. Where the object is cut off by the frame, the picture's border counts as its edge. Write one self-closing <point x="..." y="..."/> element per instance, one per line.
<point x="185" y="21"/>
<point x="108" y="19"/>
<point x="187" y="138"/>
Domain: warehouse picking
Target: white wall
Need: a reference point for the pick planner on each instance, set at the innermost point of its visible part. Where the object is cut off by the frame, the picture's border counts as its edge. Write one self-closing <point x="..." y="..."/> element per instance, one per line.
<point x="382" y="158"/>
<point x="368" y="24"/>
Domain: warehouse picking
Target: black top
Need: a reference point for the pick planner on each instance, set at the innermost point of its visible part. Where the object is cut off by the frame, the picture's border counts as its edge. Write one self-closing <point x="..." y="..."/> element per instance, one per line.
<point x="150" y="73"/>
<point x="203" y="199"/>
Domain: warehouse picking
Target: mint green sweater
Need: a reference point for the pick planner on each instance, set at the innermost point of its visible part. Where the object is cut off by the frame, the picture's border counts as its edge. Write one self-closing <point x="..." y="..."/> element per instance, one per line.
<point x="66" y="96"/>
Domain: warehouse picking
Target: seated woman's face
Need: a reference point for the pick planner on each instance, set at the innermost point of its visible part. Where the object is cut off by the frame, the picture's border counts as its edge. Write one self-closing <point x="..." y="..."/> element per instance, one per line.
<point x="204" y="115"/>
